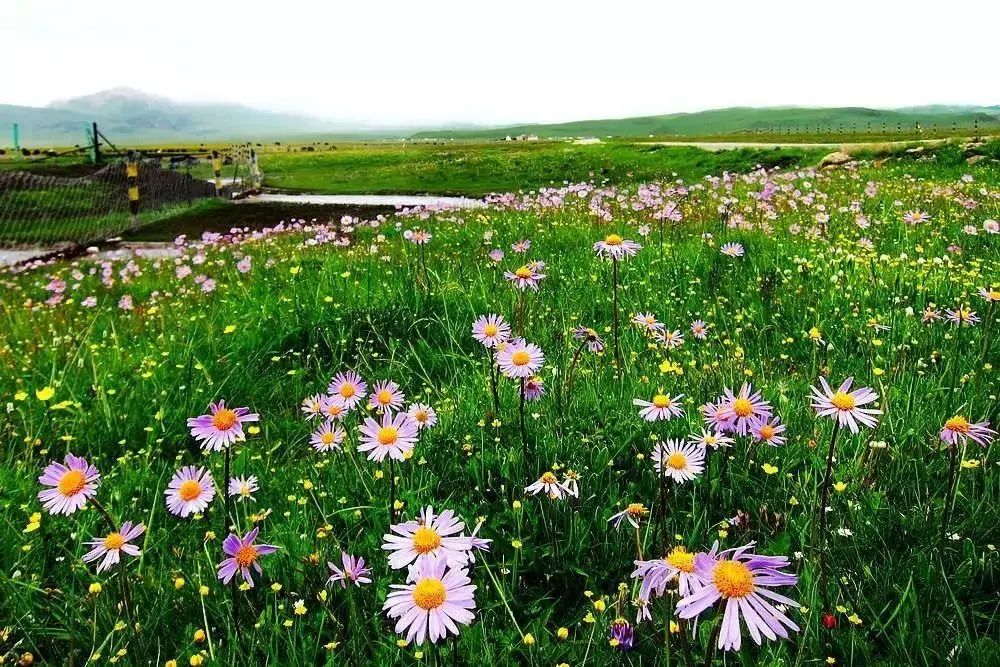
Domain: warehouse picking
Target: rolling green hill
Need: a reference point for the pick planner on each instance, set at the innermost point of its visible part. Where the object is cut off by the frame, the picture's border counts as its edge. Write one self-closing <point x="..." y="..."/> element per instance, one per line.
<point x="738" y="120"/>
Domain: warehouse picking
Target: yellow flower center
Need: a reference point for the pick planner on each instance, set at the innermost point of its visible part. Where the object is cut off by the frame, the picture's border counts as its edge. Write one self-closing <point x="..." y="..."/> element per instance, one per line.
<point x="523" y="273"/>
<point x="420" y="416"/>
<point x="661" y="400"/>
<point x="994" y="295"/>
<point x="766" y="432"/>
<point x="958" y="423"/>
<point x="246" y="555"/>
<point x="189" y="490"/>
<point x="334" y="410"/>
<point x="491" y="330"/>
<point x="520" y="358"/>
<point x="429" y="594"/>
<point x="733" y="579"/>
<point x="224" y="419"/>
<point x="682" y="559"/>
<point x="843" y="401"/>
<point x="549" y="478"/>
<point x="72" y="483"/>
<point x="637" y="509"/>
<point x="387" y="435"/>
<point x="384" y="397"/>
<point x="327" y="438"/>
<point x="114" y="541"/>
<point x="613" y="239"/>
<point x="347" y="390"/>
<point x="677" y="461"/>
<point x="742" y="407"/>
<point x="425" y="539"/>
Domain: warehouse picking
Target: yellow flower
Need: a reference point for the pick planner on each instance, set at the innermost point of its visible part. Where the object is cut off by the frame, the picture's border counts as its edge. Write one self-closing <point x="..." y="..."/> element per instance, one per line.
<point x="276" y="587"/>
<point x="600" y="605"/>
<point x="970" y="463"/>
<point x="295" y="270"/>
<point x="196" y="660"/>
<point x="95" y="588"/>
<point x="528" y="639"/>
<point x="45" y="394"/>
<point x="203" y="590"/>
<point x="230" y="328"/>
<point x="170" y="663"/>
<point x="855" y="619"/>
<point x="20" y="396"/>
<point x="300" y="607"/>
<point x="839" y="487"/>
<point x="179" y="583"/>
<point x="769" y="469"/>
<point x="675" y="627"/>
<point x="199" y="636"/>
<point x="562" y="633"/>
<point x="516" y="544"/>
<point x="34" y="522"/>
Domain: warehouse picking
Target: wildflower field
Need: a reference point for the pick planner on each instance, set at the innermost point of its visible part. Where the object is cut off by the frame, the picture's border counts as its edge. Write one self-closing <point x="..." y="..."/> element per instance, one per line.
<point x="741" y="420"/>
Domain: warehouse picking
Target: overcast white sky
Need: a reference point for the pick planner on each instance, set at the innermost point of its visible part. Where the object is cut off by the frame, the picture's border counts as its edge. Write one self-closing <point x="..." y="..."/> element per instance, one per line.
<point x="426" y="62"/>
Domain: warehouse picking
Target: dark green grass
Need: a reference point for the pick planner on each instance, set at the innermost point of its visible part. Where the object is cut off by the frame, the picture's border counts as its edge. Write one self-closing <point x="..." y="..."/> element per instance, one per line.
<point x="134" y="377"/>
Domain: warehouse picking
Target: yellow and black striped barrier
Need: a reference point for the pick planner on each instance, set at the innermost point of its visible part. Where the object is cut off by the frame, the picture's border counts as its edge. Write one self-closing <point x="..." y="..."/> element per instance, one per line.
<point x="132" y="183"/>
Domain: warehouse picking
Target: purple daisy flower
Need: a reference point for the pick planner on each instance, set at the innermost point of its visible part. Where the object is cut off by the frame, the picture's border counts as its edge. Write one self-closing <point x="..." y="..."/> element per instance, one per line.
<point x="71" y="484"/>
<point x="354" y="570"/>
<point x="349" y="386"/>
<point x="958" y="429"/>
<point x="222" y="427"/>
<point x="243" y="554"/>
<point x="113" y="545"/>
<point x="741" y="582"/>
<point x="433" y="602"/>
<point x="844" y="405"/>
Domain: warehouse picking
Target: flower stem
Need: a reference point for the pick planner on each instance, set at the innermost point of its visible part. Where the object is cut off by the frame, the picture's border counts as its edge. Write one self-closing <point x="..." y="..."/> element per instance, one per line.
<point x="824" y="501"/>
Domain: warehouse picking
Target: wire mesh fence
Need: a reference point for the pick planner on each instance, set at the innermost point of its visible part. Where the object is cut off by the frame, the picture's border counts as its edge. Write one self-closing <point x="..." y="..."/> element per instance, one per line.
<point x="126" y="193"/>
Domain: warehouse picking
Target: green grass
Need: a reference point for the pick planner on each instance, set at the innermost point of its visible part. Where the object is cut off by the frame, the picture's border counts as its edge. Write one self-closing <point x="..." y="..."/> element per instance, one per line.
<point x="477" y="169"/>
<point x="124" y="381"/>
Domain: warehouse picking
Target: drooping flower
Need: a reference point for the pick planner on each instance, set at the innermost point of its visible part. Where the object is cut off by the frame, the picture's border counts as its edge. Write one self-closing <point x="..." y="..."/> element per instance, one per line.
<point x="312" y="406"/>
<point x="354" y="570"/>
<point x="621" y="634"/>
<point x="647" y="322"/>
<point x="519" y="359"/>
<point x="656" y="574"/>
<point x="221" y="427"/>
<point x="713" y="439"/>
<point x="663" y="407"/>
<point x="739" y="410"/>
<point x="844" y="405"/>
<point x="616" y="248"/>
<point x="243" y="488"/>
<point x="386" y="396"/>
<point x="491" y="330"/>
<point x="350" y="387"/>
<point x="585" y="334"/>
<point x="768" y="430"/>
<point x="742" y="581"/>
<point x="634" y="513"/>
<point x="671" y="339"/>
<point x="393" y="437"/>
<point x="422" y="415"/>
<point x="71" y="484"/>
<point x="534" y="388"/>
<point x="432" y="603"/>
<point x="958" y="429"/>
<point x="549" y="484"/>
<point x="962" y="316"/>
<point x="190" y="491"/>
<point x="990" y="295"/>
<point x="678" y="460"/>
<point x="327" y="437"/>
<point x="113" y="545"/>
<point x="429" y="537"/>
<point x="243" y="553"/>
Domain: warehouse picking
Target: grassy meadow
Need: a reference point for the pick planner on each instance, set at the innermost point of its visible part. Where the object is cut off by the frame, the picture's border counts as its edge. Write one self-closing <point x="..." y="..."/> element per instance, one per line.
<point x="772" y="278"/>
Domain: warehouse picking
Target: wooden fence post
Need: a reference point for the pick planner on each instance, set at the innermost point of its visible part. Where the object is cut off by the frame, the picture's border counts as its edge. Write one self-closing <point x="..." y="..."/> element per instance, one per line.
<point x="132" y="182"/>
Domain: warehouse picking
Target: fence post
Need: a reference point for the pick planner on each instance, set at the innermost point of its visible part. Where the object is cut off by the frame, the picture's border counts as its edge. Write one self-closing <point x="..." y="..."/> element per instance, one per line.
<point x="132" y="181"/>
<point x="217" y="171"/>
<point x="255" y="179"/>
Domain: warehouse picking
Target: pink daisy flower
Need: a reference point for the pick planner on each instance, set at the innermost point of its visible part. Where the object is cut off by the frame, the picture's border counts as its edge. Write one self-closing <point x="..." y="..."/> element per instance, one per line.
<point x="430" y="536"/>
<point x="699" y="329"/>
<point x="350" y="387"/>
<point x="244" y="553"/>
<point x="656" y="574"/>
<point x="524" y="277"/>
<point x="491" y="330"/>
<point x="432" y="603"/>
<point x="663" y="407"/>
<point x="386" y="396"/>
<point x="960" y="316"/>
<point x="222" y="427"/>
<point x="519" y="359"/>
<point x="312" y="406"/>
<point x="327" y="437"/>
<point x="737" y="411"/>
<point x="844" y="405"/>
<point x="243" y="488"/>
<point x="521" y="246"/>
<point x="741" y="581"/>
<point x="671" y="339"/>
<point x="958" y="429"/>
<point x="732" y="250"/>
<point x="394" y="437"/>
<point x="422" y="415"/>
<point x="614" y="247"/>
<point x="549" y="484"/>
<point x="768" y="430"/>
<point x="190" y="491"/>
<point x="647" y="322"/>
<point x="679" y="460"/>
<point x="713" y="439"/>
<point x="71" y="484"/>
<point x="354" y="570"/>
<point x="333" y="407"/>
<point x="113" y="545"/>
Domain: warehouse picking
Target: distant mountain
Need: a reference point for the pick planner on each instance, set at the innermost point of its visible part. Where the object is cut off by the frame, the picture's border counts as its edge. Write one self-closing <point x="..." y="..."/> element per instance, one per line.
<point x="737" y="120"/>
<point x="129" y="117"/>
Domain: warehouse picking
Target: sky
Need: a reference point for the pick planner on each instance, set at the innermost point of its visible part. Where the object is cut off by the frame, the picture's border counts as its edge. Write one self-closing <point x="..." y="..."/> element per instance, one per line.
<point x="426" y="63"/>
